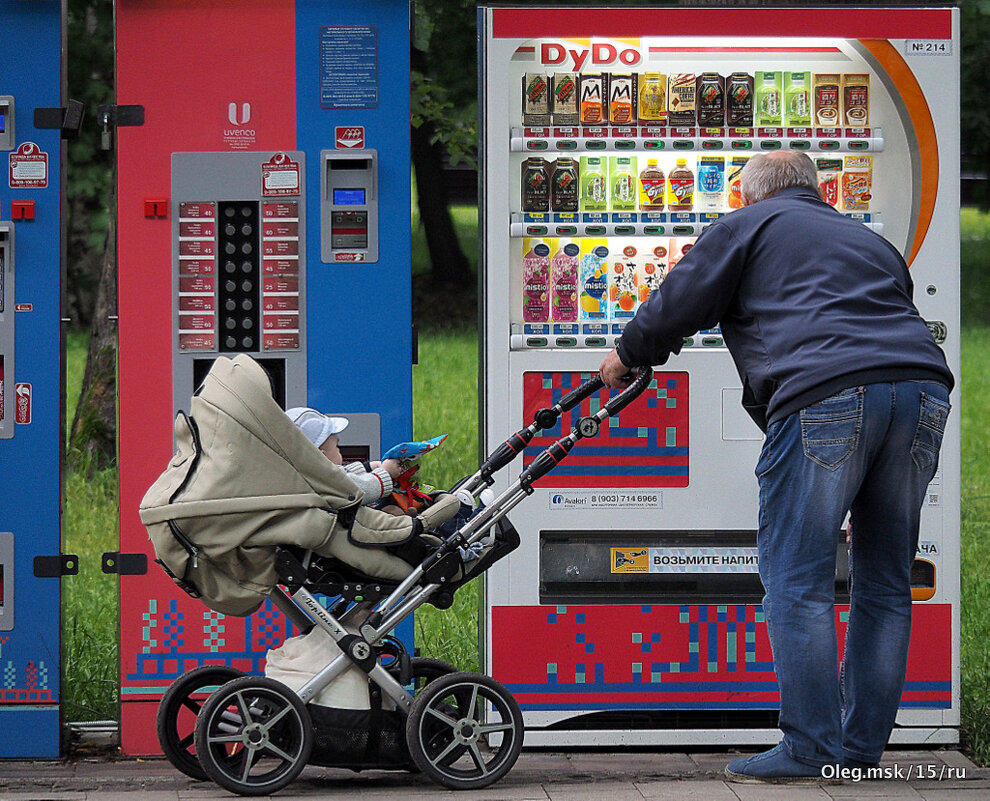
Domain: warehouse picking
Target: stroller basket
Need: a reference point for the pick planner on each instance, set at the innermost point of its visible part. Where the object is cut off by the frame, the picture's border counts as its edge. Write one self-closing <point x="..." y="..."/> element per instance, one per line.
<point x="234" y="542"/>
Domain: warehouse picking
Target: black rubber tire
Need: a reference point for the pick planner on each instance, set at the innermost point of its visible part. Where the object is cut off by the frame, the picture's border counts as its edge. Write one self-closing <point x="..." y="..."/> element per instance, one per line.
<point x="177" y="713"/>
<point x="248" y="724"/>
<point x="426" y="669"/>
<point x="449" y="739"/>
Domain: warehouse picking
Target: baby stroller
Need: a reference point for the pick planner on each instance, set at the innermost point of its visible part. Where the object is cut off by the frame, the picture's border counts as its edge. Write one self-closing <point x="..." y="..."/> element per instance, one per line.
<point x="249" y="510"/>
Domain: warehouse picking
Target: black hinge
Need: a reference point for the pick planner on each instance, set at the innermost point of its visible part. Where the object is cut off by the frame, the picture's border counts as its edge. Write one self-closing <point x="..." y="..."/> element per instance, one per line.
<point x="117" y="117"/>
<point x="125" y="564"/>
<point x="62" y="564"/>
<point x="68" y="119"/>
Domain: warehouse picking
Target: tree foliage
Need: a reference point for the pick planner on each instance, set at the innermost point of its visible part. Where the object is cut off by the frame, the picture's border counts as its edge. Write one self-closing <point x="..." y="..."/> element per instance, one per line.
<point x="975" y="70"/>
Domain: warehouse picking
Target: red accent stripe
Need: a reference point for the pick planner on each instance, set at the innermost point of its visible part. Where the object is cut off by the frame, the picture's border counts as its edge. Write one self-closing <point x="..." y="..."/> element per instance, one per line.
<point x="744" y="50"/>
<point x="846" y="23"/>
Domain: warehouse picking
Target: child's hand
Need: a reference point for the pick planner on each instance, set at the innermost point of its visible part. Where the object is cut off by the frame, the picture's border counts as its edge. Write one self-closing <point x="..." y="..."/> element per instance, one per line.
<point x="394" y="467"/>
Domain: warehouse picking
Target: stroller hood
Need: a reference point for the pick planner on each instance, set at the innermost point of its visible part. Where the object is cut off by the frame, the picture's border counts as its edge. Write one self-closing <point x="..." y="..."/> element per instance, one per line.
<point x="243" y="480"/>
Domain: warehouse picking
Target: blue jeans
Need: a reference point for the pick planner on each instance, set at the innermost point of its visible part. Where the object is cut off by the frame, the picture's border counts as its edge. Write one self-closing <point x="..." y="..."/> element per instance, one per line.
<point x="871" y="450"/>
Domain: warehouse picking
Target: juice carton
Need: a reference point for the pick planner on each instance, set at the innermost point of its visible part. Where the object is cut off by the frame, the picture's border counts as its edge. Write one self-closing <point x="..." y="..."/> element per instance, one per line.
<point x="622" y="183"/>
<point x="564" y="280"/>
<point x="857" y="183"/>
<point x="710" y="194"/>
<point x="769" y="92"/>
<point x="594" y="185"/>
<point x="830" y="180"/>
<point x="733" y="195"/>
<point x="536" y="280"/>
<point x="679" y="246"/>
<point x="593" y="279"/>
<point x="622" y="291"/>
<point x="651" y="267"/>
<point x="593" y="100"/>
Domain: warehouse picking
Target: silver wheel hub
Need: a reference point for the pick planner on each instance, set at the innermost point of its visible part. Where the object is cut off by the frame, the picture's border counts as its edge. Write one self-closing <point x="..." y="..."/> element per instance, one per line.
<point x="466" y="731"/>
<point x="255" y="736"/>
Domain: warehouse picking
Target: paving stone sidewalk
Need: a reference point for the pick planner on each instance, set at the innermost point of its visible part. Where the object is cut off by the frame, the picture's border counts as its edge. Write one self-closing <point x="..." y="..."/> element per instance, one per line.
<point x="537" y="776"/>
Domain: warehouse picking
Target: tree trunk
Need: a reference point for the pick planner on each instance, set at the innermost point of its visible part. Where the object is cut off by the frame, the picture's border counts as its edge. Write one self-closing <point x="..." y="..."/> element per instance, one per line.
<point x="93" y="442"/>
<point x="448" y="263"/>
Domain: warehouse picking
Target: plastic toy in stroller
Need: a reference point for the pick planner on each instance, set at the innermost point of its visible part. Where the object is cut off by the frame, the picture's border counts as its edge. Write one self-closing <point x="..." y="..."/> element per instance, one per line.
<point x="362" y="702"/>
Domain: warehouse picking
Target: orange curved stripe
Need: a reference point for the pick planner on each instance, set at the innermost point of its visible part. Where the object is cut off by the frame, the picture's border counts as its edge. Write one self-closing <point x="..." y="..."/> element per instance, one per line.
<point x="924" y="130"/>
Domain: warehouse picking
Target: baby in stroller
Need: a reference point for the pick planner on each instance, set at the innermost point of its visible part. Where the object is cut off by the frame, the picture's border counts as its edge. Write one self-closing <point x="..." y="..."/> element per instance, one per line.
<point x="246" y="507"/>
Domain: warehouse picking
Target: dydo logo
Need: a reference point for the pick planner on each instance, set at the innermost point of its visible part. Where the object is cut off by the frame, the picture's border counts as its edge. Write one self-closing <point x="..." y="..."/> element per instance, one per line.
<point x="600" y="54"/>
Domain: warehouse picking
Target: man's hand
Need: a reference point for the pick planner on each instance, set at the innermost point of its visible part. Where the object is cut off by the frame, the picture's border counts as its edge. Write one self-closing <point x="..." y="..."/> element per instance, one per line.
<point x="614" y="373"/>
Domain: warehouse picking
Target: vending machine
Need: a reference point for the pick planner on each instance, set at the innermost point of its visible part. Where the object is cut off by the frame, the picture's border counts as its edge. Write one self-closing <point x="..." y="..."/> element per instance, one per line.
<point x="31" y="387"/>
<point x="263" y="171"/>
<point x="631" y="613"/>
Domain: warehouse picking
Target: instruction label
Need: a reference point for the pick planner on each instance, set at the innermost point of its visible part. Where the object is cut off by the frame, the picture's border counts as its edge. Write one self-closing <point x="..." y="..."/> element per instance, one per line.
<point x="349" y="66"/>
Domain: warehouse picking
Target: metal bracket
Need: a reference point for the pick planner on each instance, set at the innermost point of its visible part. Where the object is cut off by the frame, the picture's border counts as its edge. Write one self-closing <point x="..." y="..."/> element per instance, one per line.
<point x="67" y="119"/>
<point x="125" y="564"/>
<point x="63" y="564"/>
<point x="117" y="117"/>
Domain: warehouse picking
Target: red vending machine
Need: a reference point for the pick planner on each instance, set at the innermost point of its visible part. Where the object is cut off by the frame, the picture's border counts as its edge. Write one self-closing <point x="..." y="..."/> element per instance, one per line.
<point x="631" y="613"/>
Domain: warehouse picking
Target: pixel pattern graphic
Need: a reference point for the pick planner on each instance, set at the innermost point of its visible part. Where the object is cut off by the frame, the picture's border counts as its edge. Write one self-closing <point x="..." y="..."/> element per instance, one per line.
<point x="645" y="445"/>
<point x="654" y="657"/>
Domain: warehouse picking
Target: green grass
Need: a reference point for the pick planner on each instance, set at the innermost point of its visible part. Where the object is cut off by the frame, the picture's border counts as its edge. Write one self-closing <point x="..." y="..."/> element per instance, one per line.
<point x="975" y="544"/>
<point x="445" y="401"/>
<point x="89" y="600"/>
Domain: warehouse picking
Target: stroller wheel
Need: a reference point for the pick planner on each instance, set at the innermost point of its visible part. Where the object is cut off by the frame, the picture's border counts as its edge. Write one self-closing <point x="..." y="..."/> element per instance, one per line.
<point x="426" y="669"/>
<point x="464" y="731"/>
<point x="178" y="710"/>
<point x="253" y="736"/>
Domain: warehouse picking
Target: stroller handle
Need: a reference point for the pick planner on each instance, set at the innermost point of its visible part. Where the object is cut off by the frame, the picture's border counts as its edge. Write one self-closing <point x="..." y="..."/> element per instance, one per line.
<point x="633" y="391"/>
<point x="543" y="419"/>
<point x="556" y="453"/>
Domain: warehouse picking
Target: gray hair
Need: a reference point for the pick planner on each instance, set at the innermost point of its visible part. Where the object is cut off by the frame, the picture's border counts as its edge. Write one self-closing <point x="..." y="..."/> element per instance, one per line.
<point x="766" y="174"/>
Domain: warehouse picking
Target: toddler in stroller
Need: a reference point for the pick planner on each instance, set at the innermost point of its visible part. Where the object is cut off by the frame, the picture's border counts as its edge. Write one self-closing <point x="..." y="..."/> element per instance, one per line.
<point x="248" y="506"/>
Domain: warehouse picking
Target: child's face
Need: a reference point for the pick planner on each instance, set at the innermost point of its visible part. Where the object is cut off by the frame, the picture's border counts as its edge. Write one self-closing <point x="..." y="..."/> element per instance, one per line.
<point x="331" y="450"/>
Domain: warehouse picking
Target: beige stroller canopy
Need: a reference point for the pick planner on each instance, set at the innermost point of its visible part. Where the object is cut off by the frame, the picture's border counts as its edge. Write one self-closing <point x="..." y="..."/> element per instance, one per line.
<point x="244" y="480"/>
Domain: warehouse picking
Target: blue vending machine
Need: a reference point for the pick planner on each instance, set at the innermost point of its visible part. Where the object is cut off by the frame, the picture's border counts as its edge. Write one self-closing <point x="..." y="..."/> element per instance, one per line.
<point x="31" y="413"/>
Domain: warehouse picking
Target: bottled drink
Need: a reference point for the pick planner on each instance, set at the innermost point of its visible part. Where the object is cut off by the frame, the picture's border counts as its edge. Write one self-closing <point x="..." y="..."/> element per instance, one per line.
<point x="564" y="274"/>
<point x="564" y="186"/>
<point x="651" y="187"/>
<point x="680" y="188"/>
<point x="535" y="186"/>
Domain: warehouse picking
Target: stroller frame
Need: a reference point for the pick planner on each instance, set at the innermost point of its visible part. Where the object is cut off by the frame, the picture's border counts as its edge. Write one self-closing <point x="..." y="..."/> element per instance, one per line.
<point x="249" y="719"/>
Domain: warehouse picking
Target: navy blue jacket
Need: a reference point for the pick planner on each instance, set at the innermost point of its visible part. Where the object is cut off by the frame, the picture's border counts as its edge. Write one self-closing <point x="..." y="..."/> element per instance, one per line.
<point x="810" y="302"/>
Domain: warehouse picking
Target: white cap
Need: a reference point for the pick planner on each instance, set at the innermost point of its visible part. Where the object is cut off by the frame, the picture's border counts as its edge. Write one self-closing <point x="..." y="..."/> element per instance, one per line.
<point x="316" y="425"/>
